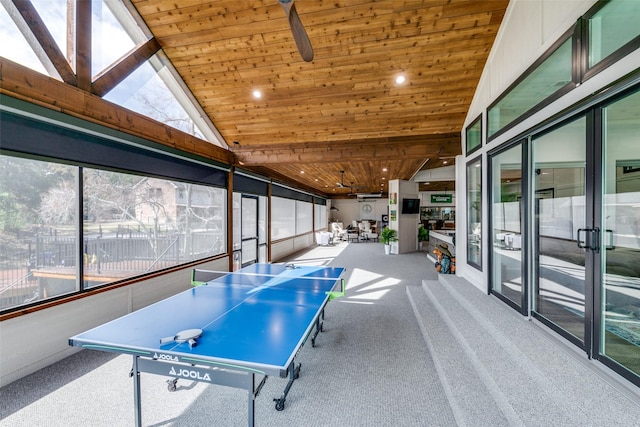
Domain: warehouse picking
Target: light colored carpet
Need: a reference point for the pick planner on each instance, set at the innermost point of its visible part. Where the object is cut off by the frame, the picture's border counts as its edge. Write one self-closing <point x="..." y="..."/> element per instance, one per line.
<point x="370" y="367"/>
<point x="404" y="347"/>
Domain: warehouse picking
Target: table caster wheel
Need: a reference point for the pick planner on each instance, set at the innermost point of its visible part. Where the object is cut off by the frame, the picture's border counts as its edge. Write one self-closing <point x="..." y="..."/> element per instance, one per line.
<point x="279" y="404"/>
<point x="171" y="384"/>
<point x="297" y="371"/>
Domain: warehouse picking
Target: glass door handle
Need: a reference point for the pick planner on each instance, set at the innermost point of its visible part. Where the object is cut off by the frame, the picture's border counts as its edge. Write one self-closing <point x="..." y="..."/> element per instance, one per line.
<point x="580" y="241"/>
<point x="608" y="244"/>
<point x="590" y="240"/>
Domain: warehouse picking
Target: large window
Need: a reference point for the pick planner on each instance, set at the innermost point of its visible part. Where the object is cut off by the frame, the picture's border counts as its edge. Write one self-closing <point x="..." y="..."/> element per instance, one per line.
<point x="131" y="225"/>
<point x="611" y="27"/>
<point x="544" y="80"/>
<point x="620" y="253"/>
<point x="474" y="213"/>
<point x="290" y="217"/>
<point x="473" y="136"/>
<point x="320" y="216"/>
<point x="283" y="218"/>
<point x="506" y="223"/>
<point x="559" y="212"/>
<point x="611" y="30"/>
<point x="38" y="212"/>
<point x="154" y="89"/>
<point x="304" y="217"/>
<point x="151" y="91"/>
<point x="114" y="32"/>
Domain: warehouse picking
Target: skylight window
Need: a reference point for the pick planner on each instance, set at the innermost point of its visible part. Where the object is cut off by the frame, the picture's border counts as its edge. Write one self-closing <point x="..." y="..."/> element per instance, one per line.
<point x="15" y="47"/>
<point x="154" y="89"/>
<point x="145" y="91"/>
<point x="53" y="13"/>
<point x="113" y="33"/>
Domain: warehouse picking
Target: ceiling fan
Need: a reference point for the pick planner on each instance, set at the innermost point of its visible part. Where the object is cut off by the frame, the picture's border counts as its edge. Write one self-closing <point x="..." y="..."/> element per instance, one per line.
<point x="297" y="29"/>
<point x="351" y="187"/>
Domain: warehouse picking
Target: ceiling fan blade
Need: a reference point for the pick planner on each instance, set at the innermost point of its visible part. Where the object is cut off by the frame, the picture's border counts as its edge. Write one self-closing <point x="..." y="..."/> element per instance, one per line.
<point x="298" y="31"/>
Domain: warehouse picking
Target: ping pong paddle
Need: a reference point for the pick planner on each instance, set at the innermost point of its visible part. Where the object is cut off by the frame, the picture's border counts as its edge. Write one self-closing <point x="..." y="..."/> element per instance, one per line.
<point x="188" y="335"/>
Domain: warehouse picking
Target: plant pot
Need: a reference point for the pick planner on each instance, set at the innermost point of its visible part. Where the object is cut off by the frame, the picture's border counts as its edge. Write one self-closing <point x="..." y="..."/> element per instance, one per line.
<point x="387" y="249"/>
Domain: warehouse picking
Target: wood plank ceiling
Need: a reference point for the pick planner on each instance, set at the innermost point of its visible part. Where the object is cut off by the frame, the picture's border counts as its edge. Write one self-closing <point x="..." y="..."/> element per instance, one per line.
<point x="342" y="111"/>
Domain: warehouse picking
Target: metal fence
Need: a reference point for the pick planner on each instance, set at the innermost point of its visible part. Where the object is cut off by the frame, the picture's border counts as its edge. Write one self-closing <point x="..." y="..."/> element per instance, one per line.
<point x="46" y="265"/>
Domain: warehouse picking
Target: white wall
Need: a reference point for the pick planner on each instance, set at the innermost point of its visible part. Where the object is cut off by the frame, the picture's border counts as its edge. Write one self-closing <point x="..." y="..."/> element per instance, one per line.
<point x="33" y="341"/>
<point x="284" y="248"/>
<point x="405" y="224"/>
<point x="352" y="209"/>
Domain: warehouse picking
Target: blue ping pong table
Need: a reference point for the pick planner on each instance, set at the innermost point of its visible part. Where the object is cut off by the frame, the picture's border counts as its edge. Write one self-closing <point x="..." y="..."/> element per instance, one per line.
<point x="252" y="323"/>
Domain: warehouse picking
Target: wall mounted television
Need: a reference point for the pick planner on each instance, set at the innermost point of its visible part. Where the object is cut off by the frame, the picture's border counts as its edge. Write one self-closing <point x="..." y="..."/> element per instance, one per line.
<point x="410" y="206"/>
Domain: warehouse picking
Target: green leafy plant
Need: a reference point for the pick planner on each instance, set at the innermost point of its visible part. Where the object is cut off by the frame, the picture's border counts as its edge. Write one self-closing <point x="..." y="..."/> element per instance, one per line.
<point x="388" y="235"/>
<point x="423" y="233"/>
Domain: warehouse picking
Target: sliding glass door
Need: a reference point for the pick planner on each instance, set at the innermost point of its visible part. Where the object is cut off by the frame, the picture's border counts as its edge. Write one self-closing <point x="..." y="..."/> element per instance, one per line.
<point x="507" y="276"/>
<point x="560" y="227"/>
<point x="620" y="234"/>
<point x="585" y="261"/>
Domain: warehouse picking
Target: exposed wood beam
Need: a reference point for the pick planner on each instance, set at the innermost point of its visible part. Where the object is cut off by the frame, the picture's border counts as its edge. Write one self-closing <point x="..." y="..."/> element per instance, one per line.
<point x="360" y="150"/>
<point x="34" y="30"/>
<point x="71" y="25"/>
<point x="111" y="77"/>
<point x="23" y="83"/>
<point x="278" y="178"/>
<point x="83" y="44"/>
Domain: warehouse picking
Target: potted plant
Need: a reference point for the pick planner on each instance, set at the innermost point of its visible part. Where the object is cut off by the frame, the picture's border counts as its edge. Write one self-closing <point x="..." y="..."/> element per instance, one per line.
<point x="423" y="236"/>
<point x="387" y="236"/>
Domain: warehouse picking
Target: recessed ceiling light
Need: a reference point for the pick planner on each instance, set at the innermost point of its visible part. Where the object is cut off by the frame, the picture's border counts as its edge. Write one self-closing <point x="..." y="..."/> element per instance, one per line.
<point x="257" y="94"/>
<point x="384" y="169"/>
<point x="401" y="79"/>
<point x="444" y="162"/>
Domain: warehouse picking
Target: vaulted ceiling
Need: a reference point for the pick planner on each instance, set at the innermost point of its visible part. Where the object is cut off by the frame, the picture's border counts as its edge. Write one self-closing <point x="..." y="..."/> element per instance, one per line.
<point x="342" y="111"/>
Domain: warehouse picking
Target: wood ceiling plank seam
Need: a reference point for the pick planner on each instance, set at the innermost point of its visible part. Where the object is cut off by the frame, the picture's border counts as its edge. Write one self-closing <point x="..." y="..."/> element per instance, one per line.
<point x="425" y="140"/>
<point x="442" y="29"/>
<point x="186" y="18"/>
<point x="338" y="74"/>
<point x="432" y="148"/>
<point x="230" y="115"/>
<point x="344" y="93"/>
<point x="218" y="43"/>
<point x="161" y="6"/>
<point x="196" y="10"/>
<point x="468" y="7"/>
<point x="199" y="63"/>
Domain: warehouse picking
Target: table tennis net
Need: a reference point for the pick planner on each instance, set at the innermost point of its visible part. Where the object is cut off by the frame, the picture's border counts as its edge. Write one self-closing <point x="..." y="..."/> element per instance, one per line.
<point x="202" y="277"/>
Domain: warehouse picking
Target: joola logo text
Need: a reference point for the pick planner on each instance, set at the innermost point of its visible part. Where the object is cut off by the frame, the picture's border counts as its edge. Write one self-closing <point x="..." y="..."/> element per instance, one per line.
<point x="162" y="356"/>
<point x="188" y="373"/>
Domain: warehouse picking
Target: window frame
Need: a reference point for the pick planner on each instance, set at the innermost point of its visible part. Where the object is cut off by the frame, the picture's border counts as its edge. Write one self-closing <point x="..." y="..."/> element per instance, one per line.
<point x="476" y="122"/>
<point x="615" y="56"/>
<point x="571" y="34"/>
<point x="472" y="164"/>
